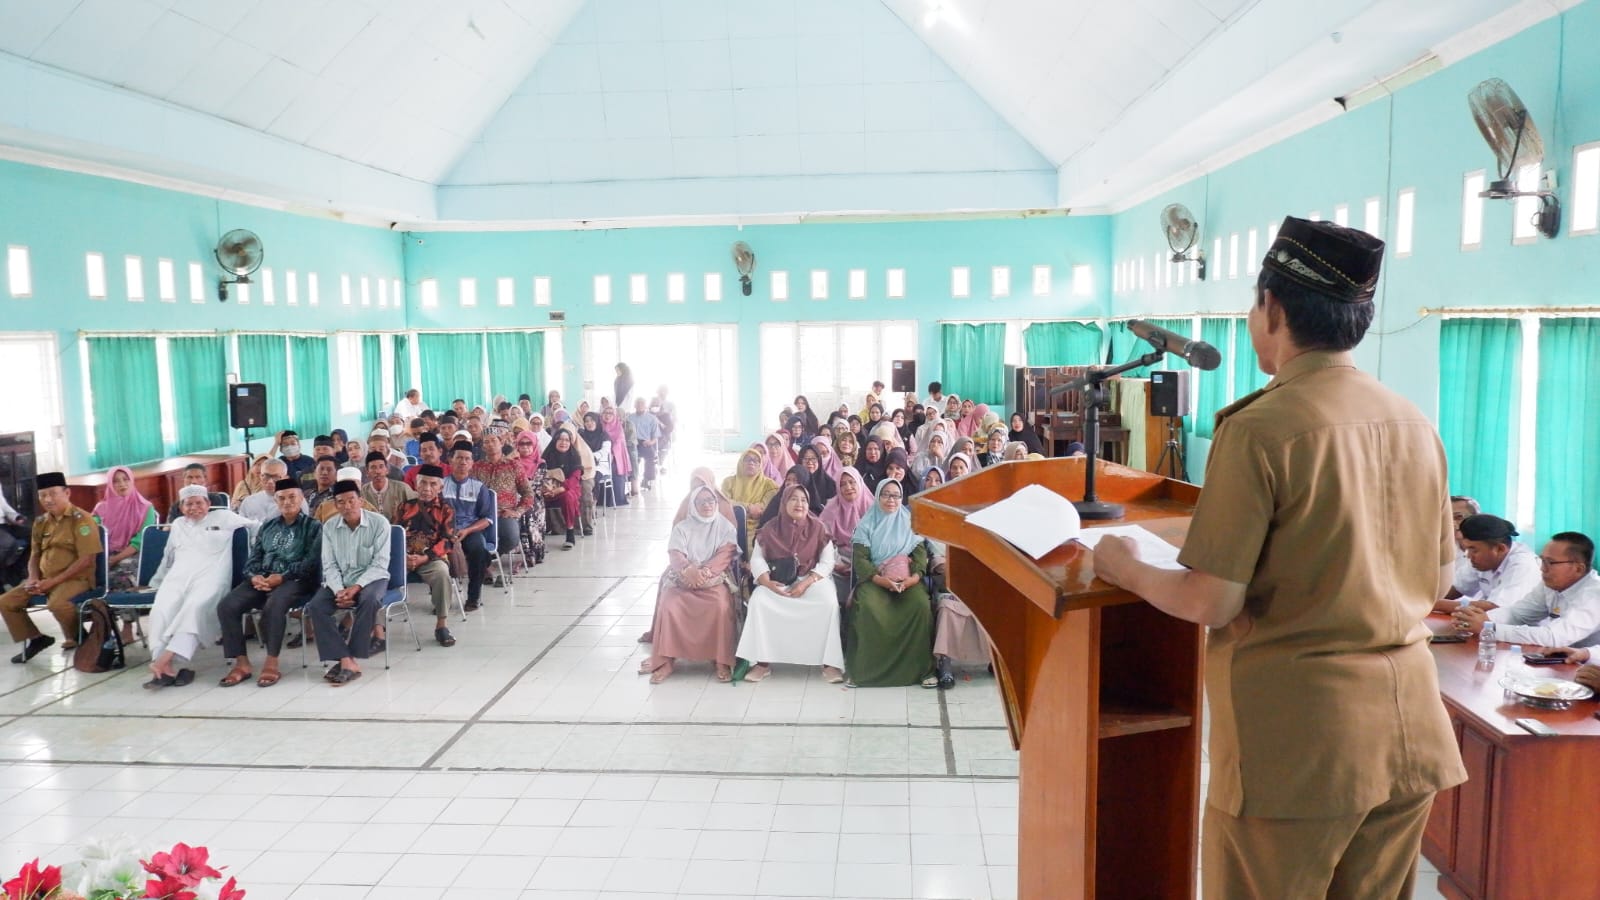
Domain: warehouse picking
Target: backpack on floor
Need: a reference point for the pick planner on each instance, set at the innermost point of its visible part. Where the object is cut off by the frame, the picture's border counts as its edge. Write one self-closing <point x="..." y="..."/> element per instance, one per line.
<point x="101" y="649"/>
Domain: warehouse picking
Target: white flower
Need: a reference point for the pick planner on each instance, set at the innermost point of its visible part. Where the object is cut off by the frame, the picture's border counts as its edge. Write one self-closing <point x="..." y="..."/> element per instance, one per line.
<point x="108" y="863"/>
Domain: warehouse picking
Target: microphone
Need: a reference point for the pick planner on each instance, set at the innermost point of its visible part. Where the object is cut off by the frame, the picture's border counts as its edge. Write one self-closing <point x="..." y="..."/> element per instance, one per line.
<point x="1199" y="354"/>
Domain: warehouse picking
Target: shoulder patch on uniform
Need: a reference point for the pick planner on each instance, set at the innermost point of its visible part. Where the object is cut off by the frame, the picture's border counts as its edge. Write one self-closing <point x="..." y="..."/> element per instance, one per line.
<point x="83" y="530"/>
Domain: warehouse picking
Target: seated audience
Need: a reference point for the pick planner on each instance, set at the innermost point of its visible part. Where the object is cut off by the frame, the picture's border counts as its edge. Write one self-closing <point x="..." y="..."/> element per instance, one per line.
<point x="196" y="571"/>
<point x="647" y="437"/>
<point x="933" y="478"/>
<point x="252" y="482"/>
<point x="1563" y="611"/>
<point x="194" y="475"/>
<point x="1502" y="570"/>
<point x="327" y="510"/>
<point x="891" y="619"/>
<point x="263" y="504"/>
<point x="821" y="485"/>
<point x="751" y="489"/>
<point x="379" y="442"/>
<point x="871" y="464"/>
<point x="841" y="515"/>
<point x="1022" y="432"/>
<point x="501" y="473"/>
<point x="530" y="463"/>
<point x="828" y="463"/>
<point x="960" y="464"/>
<point x="125" y="513"/>
<point x="779" y="458"/>
<point x="430" y="535"/>
<point x="355" y="576"/>
<point x="846" y="450"/>
<point x="580" y="442"/>
<point x="411" y="405"/>
<point x="993" y="448"/>
<point x="933" y="454"/>
<point x="793" y="614"/>
<point x="1015" y="451"/>
<point x="319" y="486"/>
<point x="935" y="392"/>
<point x="696" y="612"/>
<point x="563" y="488"/>
<point x="808" y="416"/>
<point x="797" y="476"/>
<point x="622" y="463"/>
<point x="897" y="468"/>
<point x="288" y="446"/>
<point x="381" y="492"/>
<point x="473" y="515"/>
<point x="283" y="571"/>
<point x="430" y="452"/>
<point x="62" y="553"/>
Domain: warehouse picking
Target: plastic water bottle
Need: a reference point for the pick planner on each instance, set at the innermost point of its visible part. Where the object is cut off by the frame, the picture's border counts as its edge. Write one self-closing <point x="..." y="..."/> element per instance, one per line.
<point x="1487" y="649"/>
<point x="1518" y="667"/>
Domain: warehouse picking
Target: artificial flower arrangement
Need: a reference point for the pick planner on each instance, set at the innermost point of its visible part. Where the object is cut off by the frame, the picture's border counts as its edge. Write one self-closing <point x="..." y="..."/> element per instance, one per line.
<point x="112" y="870"/>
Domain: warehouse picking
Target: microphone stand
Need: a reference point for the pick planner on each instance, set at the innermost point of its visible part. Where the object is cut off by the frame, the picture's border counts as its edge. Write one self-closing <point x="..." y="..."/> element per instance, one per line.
<point x="1094" y="399"/>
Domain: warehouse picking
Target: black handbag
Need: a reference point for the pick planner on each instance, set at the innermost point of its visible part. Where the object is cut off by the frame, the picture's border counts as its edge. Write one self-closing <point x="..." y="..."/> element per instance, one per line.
<point x="785" y="571"/>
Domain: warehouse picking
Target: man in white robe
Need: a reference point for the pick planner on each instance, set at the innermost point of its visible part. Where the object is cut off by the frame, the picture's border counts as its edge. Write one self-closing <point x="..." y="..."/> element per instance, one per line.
<point x="196" y="571"/>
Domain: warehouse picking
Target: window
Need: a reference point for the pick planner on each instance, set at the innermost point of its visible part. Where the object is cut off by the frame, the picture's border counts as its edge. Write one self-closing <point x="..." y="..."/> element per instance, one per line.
<point x="1586" y="189"/>
<point x="1341" y="215"/>
<point x="351" y="384"/>
<point x="429" y="288"/>
<point x="1041" y="281"/>
<point x="1116" y="278"/>
<point x="505" y="291"/>
<point x="291" y="287"/>
<point x="894" y="284"/>
<point x="1405" y="214"/>
<point x="779" y="285"/>
<point x="638" y="289"/>
<point x="1082" y="281"/>
<point x="269" y="296"/>
<point x="197" y="283"/>
<point x="133" y="268"/>
<point x="819" y="284"/>
<point x="1314" y="216"/>
<point x="676" y="289"/>
<point x="469" y="292"/>
<point x="166" y="281"/>
<point x="1216" y="259"/>
<point x="713" y="287"/>
<point x="1252" y="254"/>
<point x="541" y="290"/>
<point x="1233" y="255"/>
<point x="1272" y="234"/>
<point x="242" y="292"/>
<point x="313" y="294"/>
<point x="960" y="282"/>
<point x="829" y="362"/>
<point x="1472" y="211"/>
<point x="1371" y="222"/>
<point x="1141" y="274"/>
<point x="366" y="291"/>
<point x="1164" y="265"/>
<point x="858" y="284"/>
<point x="396" y="292"/>
<point x="1525" y="209"/>
<point x="19" y="275"/>
<point x="344" y="289"/>
<point x="383" y="293"/>
<point x="1000" y="281"/>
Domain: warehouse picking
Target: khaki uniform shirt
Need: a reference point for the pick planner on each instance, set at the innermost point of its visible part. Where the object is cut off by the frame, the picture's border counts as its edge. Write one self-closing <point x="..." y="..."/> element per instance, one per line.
<point x="1326" y="495"/>
<point x="60" y="541"/>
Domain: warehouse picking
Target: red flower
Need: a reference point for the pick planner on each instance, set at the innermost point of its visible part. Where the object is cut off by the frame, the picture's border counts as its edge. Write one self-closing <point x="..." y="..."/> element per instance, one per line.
<point x="33" y="883"/>
<point x="168" y="888"/>
<point x="185" y="865"/>
<point x="230" y="891"/>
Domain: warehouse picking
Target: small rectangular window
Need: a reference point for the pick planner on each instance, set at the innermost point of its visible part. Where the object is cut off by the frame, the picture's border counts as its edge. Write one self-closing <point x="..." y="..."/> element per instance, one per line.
<point x="1252" y="254"/>
<point x="313" y="289"/>
<point x="133" y="268"/>
<point x="366" y="291"/>
<point x="1116" y="278"/>
<point x="713" y="287"/>
<point x="1371" y="221"/>
<point x="541" y="290"/>
<point x="291" y="287"/>
<point x="1216" y="259"/>
<point x="1524" y="209"/>
<point x="396" y="292"/>
<point x="1164" y="263"/>
<point x="19" y="272"/>
<point x="1405" y="213"/>
<point x="1233" y="255"/>
<point x="505" y="291"/>
<point x="1177" y="277"/>
<point x="602" y="290"/>
<point x="677" y="289"/>
<point x="1586" y="189"/>
<point x="1472" y="210"/>
<point x="894" y="284"/>
<point x="469" y="291"/>
<point x="819" y="284"/>
<point x="269" y="296"/>
<point x="960" y="282"/>
<point x="429" y="291"/>
<point x="1341" y="215"/>
<point x="858" y="284"/>
<point x="1141" y="274"/>
<point x="243" y="293"/>
<point x="1082" y="281"/>
<point x="344" y="289"/>
<point x="780" y="286"/>
<point x="383" y="293"/>
<point x="1272" y="234"/>
<point x="197" y="283"/>
<point x="1041" y="281"/>
<point x="1000" y="281"/>
<point x="166" y="281"/>
<point x="638" y="288"/>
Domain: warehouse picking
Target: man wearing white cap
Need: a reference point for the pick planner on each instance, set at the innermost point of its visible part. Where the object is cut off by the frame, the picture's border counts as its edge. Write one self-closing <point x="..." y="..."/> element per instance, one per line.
<point x="195" y="573"/>
<point x="325" y="510"/>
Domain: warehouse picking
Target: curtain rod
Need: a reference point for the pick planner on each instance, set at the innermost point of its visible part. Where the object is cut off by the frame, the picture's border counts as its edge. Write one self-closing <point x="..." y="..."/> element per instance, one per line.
<point x="1456" y="312"/>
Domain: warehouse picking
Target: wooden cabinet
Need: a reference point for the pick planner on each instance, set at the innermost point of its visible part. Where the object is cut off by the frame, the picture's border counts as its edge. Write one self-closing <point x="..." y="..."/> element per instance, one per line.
<point x="159" y="481"/>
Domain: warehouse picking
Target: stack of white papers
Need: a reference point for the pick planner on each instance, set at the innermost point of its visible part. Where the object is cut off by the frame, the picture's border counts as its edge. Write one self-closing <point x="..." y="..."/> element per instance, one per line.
<point x="1152" y="549"/>
<point x="1035" y="519"/>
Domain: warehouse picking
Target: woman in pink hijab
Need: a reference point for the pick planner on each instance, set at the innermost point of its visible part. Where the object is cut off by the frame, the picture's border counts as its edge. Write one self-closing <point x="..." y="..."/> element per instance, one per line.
<point x="125" y="513"/>
<point x="779" y="457"/>
<point x="967" y="425"/>
<point x="831" y="463"/>
<point x="611" y="423"/>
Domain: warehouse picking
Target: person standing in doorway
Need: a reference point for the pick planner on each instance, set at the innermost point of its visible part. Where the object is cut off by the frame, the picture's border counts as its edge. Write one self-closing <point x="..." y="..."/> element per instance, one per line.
<point x="647" y="437"/>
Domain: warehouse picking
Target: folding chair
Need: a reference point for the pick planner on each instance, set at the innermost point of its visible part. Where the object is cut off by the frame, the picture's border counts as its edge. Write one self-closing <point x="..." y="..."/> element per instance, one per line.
<point x="102" y="575"/>
<point x="131" y="604"/>
<point x="394" y="599"/>
<point x="491" y="543"/>
<point x="602" y="479"/>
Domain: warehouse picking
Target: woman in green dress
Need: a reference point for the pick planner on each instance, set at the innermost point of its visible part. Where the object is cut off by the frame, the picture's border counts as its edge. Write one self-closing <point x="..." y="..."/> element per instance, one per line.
<point x="890" y="633"/>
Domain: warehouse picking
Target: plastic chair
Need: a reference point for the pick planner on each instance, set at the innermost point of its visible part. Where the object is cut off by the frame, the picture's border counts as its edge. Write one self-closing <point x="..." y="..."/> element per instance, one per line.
<point x="130" y="604"/>
<point x="491" y="543"/>
<point x="602" y="478"/>
<point x="394" y="599"/>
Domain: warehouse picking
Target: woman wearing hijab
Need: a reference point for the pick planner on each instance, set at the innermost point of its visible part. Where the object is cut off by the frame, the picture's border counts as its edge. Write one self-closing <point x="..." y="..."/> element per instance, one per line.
<point x="563" y="487"/>
<point x="793" y="616"/>
<point x="586" y="457"/>
<point x="873" y="457"/>
<point x="799" y="477"/>
<point x="1014" y="451"/>
<point x="749" y="487"/>
<point x="779" y="458"/>
<point x="932" y="455"/>
<point x="831" y="465"/>
<point x="890" y="630"/>
<point x="696" y="608"/>
<point x="961" y="445"/>
<point x="993" y="448"/>
<point x="703" y="477"/>
<point x="953" y="407"/>
<point x="960" y="464"/>
<point x="251" y="483"/>
<point x="971" y="415"/>
<point x="898" y="467"/>
<point x="933" y="478"/>
<point x="841" y="515"/>
<point x="795" y="432"/>
<point x="906" y="429"/>
<point x="802" y="408"/>
<point x="1021" y="431"/>
<point x="847" y="449"/>
<point x="621" y="464"/>
<point x="822" y="486"/>
<point x="530" y="464"/>
<point x="125" y="513"/>
<point x="623" y="384"/>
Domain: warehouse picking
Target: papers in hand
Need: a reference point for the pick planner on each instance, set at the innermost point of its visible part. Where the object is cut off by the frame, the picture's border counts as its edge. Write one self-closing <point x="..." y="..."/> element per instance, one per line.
<point x="1035" y="519"/>
<point x="1152" y="549"/>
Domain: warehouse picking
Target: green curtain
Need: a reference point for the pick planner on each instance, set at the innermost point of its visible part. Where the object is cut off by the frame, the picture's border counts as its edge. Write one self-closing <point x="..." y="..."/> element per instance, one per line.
<point x="313" y="407"/>
<point x="1062" y="344"/>
<point x="264" y="358"/>
<point x="972" y="362"/>
<point x="126" y="398"/>
<point x="1213" y="385"/>
<point x="372" y="373"/>
<point x="1567" y="492"/>
<point x="200" y="391"/>
<point x="1247" y="374"/>
<point x="1478" y="364"/>
<point x="402" y="369"/>
<point x="516" y="363"/>
<point x="452" y="366"/>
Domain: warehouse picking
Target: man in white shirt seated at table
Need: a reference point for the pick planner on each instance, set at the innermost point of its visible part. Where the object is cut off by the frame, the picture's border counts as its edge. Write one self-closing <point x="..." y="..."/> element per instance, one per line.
<point x="1562" y="612"/>
<point x="1502" y="570"/>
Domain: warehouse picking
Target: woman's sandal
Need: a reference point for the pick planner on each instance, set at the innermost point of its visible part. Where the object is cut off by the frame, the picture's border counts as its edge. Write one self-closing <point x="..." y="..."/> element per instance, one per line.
<point x="757" y="673"/>
<point x="724" y="674"/>
<point x="830" y="675"/>
<point x="236" y="676"/>
<point x="662" y="673"/>
<point x="269" y="677"/>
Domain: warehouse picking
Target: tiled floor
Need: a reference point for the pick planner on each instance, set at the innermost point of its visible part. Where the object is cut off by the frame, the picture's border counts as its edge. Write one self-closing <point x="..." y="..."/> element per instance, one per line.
<point x="529" y="761"/>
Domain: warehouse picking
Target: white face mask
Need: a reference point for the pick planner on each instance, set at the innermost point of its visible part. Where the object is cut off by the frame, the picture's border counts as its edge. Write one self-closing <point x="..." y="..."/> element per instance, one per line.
<point x="291" y="450"/>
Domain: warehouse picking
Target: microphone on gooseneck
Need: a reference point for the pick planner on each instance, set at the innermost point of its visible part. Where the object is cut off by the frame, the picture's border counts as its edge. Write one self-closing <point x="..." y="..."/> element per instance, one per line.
<point x="1199" y="354"/>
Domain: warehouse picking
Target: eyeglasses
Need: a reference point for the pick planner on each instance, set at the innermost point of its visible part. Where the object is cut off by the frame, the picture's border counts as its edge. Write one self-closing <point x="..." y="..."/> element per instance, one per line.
<point x="1546" y="563"/>
<point x="888" y="496"/>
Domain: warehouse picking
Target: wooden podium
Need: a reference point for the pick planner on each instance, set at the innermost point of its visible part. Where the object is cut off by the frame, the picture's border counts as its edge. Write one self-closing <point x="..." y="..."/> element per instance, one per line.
<point x="1102" y="691"/>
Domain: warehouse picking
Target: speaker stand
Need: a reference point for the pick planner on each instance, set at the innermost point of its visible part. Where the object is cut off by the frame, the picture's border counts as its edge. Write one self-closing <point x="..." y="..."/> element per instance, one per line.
<point x="247" y="442"/>
<point x="1172" y="464"/>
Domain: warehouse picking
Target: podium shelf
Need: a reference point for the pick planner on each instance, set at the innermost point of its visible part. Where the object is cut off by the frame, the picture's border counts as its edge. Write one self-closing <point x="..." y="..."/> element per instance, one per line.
<point x="1119" y="720"/>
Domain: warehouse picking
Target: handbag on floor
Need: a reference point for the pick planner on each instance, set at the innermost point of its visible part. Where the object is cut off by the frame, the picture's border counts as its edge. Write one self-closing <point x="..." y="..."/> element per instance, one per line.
<point x="101" y="649"/>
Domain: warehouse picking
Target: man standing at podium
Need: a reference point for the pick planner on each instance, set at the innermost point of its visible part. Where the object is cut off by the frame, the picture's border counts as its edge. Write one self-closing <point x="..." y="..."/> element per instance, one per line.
<point x="1321" y="541"/>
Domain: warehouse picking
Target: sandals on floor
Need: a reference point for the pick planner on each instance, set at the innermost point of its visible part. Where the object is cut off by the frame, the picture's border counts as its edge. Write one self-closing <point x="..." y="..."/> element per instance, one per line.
<point x="830" y="675"/>
<point x="269" y="677"/>
<point x="662" y="673"/>
<point x="160" y="681"/>
<point x="332" y="675"/>
<point x="236" y="676"/>
<point x="346" y="676"/>
<point x="724" y="674"/>
<point x="184" y="677"/>
<point x="757" y="673"/>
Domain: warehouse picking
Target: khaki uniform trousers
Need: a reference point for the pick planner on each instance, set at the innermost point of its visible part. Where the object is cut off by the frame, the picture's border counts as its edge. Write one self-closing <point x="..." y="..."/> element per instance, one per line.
<point x="14" y="609"/>
<point x="1367" y="856"/>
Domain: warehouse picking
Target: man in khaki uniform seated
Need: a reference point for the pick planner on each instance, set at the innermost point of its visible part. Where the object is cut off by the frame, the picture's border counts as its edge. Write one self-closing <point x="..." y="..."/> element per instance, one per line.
<point x="1321" y="540"/>
<point x="60" y="566"/>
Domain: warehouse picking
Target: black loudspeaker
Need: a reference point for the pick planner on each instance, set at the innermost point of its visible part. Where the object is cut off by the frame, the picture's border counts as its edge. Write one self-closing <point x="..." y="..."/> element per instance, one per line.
<point x="903" y="375"/>
<point x="247" y="405"/>
<point x="1169" y="394"/>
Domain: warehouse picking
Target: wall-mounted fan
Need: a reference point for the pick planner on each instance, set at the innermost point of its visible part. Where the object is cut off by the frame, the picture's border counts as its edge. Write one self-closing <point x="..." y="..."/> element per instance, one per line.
<point x="240" y="254"/>
<point x="1183" y="233"/>
<point x="744" y="260"/>
<point x="1508" y="128"/>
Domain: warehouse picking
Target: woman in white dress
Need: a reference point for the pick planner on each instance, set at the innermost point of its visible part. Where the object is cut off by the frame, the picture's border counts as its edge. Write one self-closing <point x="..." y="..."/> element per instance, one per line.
<point x="196" y="572"/>
<point x="793" y="616"/>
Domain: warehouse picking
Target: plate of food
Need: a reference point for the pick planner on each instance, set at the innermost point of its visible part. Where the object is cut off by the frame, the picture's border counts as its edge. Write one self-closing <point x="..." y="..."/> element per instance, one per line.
<point x="1537" y="690"/>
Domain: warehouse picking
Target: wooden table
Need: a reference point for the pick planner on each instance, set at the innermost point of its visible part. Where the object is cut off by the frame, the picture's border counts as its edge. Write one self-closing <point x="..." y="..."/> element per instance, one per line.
<point x="1524" y="824"/>
<point x="159" y="481"/>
